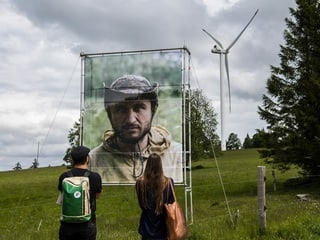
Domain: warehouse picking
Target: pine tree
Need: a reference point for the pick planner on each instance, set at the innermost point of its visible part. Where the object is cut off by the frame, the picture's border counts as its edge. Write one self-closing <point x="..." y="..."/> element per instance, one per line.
<point x="292" y="106"/>
<point x="247" y="142"/>
<point x="35" y="163"/>
<point x="17" y="166"/>
<point x="259" y="139"/>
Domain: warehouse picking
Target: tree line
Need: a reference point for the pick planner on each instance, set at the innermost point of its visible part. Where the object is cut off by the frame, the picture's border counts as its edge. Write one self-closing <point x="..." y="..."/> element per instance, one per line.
<point x="257" y="141"/>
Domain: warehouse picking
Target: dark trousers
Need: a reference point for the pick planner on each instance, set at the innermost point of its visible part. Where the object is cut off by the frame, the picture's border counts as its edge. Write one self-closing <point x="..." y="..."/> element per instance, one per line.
<point x="78" y="231"/>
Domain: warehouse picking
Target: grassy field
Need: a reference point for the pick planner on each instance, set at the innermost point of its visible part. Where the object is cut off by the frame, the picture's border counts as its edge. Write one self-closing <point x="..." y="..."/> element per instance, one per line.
<point x="28" y="209"/>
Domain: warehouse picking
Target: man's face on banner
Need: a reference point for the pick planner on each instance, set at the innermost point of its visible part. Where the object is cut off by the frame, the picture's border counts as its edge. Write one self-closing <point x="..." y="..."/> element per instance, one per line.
<point x="131" y="120"/>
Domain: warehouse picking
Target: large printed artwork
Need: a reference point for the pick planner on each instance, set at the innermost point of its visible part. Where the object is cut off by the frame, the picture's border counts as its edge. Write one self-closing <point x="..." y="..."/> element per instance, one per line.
<point x="132" y="106"/>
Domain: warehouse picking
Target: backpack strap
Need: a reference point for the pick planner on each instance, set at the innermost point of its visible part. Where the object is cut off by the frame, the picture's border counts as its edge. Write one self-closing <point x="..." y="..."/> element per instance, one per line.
<point x="87" y="173"/>
<point x="69" y="174"/>
<point x="170" y="189"/>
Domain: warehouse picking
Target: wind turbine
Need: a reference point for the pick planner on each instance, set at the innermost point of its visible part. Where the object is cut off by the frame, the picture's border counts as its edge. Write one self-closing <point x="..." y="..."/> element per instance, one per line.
<point x="223" y="53"/>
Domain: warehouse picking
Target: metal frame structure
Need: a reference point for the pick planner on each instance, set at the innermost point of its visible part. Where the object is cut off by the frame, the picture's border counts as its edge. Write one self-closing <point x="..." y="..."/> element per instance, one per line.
<point x="186" y="119"/>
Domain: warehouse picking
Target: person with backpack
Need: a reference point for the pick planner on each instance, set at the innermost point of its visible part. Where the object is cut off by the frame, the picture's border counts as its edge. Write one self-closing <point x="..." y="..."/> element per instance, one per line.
<point x="78" y="190"/>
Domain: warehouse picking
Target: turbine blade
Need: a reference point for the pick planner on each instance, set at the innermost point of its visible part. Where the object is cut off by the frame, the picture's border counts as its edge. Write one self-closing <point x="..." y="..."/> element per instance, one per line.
<point x="236" y="39"/>
<point x="220" y="45"/>
<point x="228" y="79"/>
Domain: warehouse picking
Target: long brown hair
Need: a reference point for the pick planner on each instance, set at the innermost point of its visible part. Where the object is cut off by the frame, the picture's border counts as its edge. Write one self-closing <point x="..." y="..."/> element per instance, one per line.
<point x="153" y="179"/>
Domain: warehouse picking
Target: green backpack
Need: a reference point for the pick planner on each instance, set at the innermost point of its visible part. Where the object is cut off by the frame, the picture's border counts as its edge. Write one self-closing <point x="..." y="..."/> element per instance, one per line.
<point x="76" y="198"/>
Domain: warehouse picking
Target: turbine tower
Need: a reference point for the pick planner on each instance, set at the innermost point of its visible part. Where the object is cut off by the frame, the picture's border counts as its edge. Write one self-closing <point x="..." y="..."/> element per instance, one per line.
<point x="223" y="53"/>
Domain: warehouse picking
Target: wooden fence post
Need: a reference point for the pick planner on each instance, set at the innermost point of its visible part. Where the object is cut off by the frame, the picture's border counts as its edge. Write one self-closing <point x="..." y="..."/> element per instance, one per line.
<point x="262" y="198"/>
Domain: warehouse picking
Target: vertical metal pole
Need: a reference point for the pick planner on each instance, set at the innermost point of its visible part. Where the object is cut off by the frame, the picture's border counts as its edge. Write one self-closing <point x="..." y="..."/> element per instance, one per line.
<point x="81" y="98"/>
<point x="262" y="198"/>
<point x="222" y="105"/>
<point x="187" y="139"/>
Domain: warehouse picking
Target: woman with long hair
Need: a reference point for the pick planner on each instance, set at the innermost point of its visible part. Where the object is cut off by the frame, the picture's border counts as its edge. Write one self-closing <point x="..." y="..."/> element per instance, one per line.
<point x="153" y="191"/>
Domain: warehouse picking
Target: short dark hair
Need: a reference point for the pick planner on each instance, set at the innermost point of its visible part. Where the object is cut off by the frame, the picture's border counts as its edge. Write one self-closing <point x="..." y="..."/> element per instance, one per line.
<point x="79" y="154"/>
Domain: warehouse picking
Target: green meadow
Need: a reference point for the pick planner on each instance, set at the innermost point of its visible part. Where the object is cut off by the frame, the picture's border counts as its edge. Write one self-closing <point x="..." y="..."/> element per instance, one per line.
<point x="28" y="209"/>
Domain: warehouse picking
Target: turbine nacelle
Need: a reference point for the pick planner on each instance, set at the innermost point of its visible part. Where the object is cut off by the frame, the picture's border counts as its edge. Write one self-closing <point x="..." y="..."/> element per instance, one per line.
<point x="215" y="49"/>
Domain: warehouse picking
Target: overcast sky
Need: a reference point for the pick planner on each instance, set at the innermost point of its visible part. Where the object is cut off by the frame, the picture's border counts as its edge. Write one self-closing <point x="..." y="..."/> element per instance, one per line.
<point x="40" y="47"/>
